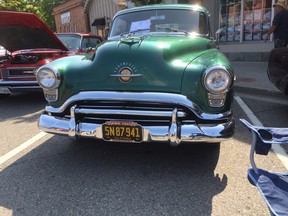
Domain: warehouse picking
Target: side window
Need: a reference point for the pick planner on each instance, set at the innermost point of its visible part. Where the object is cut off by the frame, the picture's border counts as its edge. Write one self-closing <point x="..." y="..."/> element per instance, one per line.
<point x="203" y="28"/>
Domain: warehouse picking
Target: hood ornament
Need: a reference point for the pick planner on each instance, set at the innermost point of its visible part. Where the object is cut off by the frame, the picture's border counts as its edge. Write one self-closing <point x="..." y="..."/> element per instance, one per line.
<point x="130" y="38"/>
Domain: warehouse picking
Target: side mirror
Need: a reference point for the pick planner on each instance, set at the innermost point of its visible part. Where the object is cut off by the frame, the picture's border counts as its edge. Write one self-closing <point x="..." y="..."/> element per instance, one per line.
<point x="106" y="33"/>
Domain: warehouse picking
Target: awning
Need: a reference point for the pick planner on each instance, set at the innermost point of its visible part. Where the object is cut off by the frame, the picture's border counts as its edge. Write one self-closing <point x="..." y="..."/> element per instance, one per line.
<point x="99" y="22"/>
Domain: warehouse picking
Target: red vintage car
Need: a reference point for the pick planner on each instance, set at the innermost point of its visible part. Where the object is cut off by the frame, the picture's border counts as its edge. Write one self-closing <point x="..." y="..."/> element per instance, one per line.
<point x="29" y="44"/>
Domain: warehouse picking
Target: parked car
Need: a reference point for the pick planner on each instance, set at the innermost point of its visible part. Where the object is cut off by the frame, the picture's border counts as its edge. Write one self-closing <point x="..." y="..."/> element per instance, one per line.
<point x="159" y="77"/>
<point x="80" y="43"/>
<point x="29" y="44"/>
<point x="278" y="69"/>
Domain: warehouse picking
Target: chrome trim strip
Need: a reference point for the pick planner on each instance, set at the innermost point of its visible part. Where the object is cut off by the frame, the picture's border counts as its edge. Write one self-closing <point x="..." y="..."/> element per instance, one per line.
<point x="4" y="82"/>
<point x="157" y="98"/>
<point x="130" y="75"/>
<point x="24" y="87"/>
<point x="20" y="68"/>
<point x="128" y="112"/>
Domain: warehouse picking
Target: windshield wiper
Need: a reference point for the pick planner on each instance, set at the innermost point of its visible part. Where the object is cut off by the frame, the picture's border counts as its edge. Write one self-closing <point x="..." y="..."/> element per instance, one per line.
<point x="139" y="30"/>
<point x="132" y="33"/>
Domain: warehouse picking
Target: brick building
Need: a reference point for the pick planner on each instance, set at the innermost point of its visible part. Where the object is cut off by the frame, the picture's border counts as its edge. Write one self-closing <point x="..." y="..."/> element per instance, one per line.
<point x="70" y="17"/>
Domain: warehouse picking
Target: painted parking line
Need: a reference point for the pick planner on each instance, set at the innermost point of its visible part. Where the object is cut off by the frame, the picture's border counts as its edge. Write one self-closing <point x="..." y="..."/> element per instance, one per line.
<point x="277" y="149"/>
<point x="20" y="148"/>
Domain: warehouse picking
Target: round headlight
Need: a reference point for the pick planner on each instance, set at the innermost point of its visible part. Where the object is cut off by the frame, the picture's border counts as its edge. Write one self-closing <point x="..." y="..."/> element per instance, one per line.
<point x="217" y="80"/>
<point x="48" y="77"/>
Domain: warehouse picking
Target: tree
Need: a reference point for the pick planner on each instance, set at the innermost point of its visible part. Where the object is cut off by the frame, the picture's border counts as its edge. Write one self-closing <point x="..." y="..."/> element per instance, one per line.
<point x="42" y="8"/>
<point x="46" y="8"/>
<point x="146" y="2"/>
<point x="19" y="5"/>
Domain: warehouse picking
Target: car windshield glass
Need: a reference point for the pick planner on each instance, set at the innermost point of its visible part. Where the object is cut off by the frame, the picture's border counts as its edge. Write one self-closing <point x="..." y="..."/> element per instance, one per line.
<point x="160" y="21"/>
<point x="72" y="42"/>
<point x="89" y="43"/>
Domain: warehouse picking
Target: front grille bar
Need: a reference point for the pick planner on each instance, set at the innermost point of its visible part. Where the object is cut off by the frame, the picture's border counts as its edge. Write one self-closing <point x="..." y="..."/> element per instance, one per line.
<point x="128" y="112"/>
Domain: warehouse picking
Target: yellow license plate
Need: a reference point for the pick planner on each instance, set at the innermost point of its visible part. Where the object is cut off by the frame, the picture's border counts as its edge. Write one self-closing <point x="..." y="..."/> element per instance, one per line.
<point x="122" y="131"/>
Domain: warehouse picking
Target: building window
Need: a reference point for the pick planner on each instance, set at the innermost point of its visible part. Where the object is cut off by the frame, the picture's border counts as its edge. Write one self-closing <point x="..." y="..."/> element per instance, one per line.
<point x="245" y="20"/>
<point x="65" y="18"/>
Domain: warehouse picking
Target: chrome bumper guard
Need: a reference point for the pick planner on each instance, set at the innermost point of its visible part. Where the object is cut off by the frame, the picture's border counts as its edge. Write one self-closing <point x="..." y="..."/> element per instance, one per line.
<point x="174" y="133"/>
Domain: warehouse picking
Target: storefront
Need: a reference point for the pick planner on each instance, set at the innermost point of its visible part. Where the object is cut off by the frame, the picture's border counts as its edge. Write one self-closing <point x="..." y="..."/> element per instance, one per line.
<point x="249" y="21"/>
<point x="244" y="24"/>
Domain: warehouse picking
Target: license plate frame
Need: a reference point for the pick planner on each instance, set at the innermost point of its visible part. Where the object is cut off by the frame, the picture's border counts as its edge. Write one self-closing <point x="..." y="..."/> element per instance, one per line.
<point x="5" y="90"/>
<point x="122" y="131"/>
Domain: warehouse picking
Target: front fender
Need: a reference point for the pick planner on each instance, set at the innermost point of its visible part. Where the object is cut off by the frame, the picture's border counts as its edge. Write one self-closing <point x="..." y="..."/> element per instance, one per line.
<point x="192" y="84"/>
<point x="70" y="70"/>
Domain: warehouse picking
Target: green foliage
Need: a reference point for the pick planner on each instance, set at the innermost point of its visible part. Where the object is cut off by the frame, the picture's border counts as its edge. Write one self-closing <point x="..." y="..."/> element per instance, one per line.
<point x="19" y="5"/>
<point x="146" y="2"/>
<point x="46" y="8"/>
<point x="42" y="8"/>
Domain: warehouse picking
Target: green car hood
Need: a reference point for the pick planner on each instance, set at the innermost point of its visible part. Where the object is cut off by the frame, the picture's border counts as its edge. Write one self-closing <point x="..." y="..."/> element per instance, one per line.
<point x="157" y="62"/>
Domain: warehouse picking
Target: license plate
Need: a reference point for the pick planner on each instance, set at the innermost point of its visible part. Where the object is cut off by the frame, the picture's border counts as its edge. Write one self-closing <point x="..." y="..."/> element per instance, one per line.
<point x="4" y="90"/>
<point x="122" y="131"/>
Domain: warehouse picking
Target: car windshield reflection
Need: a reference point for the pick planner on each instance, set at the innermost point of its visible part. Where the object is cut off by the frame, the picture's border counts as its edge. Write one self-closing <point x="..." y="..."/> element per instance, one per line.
<point x="76" y="42"/>
<point x="161" y="21"/>
<point x="72" y="42"/>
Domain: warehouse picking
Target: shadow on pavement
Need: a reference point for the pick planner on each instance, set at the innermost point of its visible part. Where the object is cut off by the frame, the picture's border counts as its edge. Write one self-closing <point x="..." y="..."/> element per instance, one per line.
<point x="95" y="178"/>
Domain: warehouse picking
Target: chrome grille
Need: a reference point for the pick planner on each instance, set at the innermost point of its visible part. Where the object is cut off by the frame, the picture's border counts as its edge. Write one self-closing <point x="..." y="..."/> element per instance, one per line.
<point x="20" y="72"/>
<point x="142" y="113"/>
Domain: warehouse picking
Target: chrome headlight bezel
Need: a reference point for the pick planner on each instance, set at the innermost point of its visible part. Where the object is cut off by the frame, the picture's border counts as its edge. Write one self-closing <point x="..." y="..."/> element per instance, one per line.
<point x="48" y="77"/>
<point x="217" y="79"/>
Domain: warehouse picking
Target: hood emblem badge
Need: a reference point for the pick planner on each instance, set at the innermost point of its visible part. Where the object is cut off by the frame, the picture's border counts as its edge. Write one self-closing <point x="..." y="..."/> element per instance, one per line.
<point x="125" y="74"/>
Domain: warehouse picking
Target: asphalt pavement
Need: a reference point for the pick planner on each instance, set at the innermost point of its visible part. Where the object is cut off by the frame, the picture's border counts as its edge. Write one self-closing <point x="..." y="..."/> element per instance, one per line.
<point x="252" y="77"/>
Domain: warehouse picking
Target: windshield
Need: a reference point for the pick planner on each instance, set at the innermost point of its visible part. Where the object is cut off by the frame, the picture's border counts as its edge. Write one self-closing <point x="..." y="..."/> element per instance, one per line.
<point x="72" y="42"/>
<point x="161" y="21"/>
<point x="89" y="43"/>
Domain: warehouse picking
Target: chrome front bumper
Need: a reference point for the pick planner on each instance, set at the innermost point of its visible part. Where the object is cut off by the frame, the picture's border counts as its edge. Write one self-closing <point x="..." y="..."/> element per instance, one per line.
<point x="219" y="128"/>
<point x="19" y="86"/>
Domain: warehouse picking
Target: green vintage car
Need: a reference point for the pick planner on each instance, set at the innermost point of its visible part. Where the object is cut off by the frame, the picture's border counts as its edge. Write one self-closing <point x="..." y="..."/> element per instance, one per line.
<point x="158" y="78"/>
